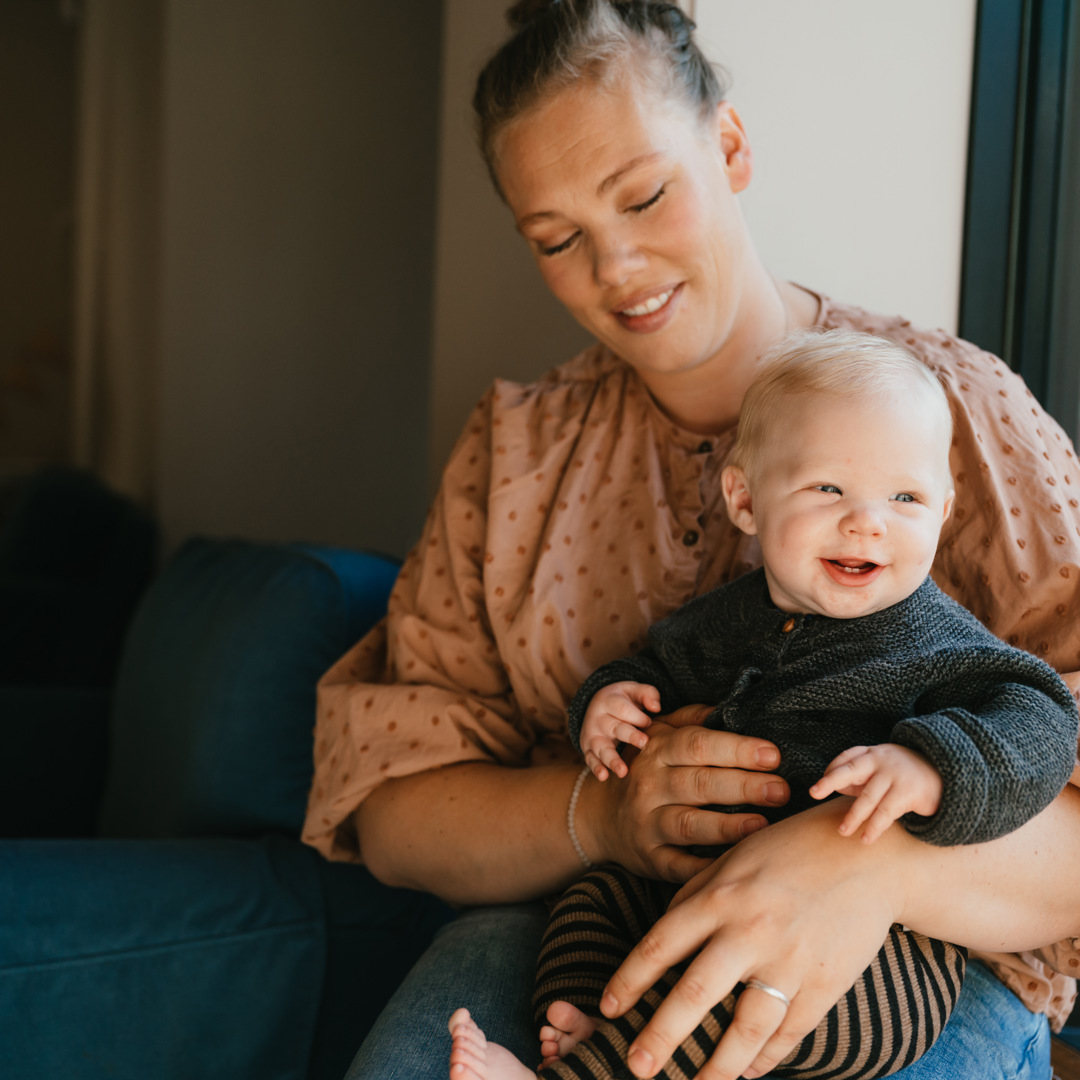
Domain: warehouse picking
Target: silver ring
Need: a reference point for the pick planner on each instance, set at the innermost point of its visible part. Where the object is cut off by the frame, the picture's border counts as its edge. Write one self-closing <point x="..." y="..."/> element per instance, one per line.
<point x="757" y="984"/>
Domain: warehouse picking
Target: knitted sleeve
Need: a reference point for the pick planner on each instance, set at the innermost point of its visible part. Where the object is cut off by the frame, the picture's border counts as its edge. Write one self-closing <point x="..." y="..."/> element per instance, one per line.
<point x="1004" y="752"/>
<point x="645" y="667"/>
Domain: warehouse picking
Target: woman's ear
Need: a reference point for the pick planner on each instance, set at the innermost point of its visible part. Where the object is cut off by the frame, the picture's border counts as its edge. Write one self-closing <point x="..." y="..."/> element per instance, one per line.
<point x="735" y="146"/>
<point x="740" y="504"/>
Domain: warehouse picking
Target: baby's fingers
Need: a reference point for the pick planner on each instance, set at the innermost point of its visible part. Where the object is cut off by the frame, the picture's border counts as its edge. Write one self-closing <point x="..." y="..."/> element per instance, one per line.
<point x="609" y="755"/>
<point x="648" y="697"/>
<point x="850" y="754"/>
<point x="628" y="733"/>
<point x="642" y="699"/>
<point x="888" y="810"/>
<point x="858" y="813"/>
<point x="845" y="776"/>
<point x="865" y="806"/>
<point x="596" y="766"/>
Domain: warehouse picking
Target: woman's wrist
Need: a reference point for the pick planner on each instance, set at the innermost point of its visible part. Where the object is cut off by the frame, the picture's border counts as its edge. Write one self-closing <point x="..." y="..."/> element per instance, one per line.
<point x="1001" y="896"/>
<point x="590" y="817"/>
<point x="571" y="818"/>
<point x="891" y="870"/>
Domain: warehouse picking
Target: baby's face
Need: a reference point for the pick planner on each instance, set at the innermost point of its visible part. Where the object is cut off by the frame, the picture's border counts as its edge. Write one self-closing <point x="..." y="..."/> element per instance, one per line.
<point x="848" y="503"/>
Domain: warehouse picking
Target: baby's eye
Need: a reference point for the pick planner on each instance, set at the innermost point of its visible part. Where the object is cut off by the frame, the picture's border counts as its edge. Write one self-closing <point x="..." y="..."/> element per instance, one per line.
<point x="829" y="489"/>
<point x="905" y="496"/>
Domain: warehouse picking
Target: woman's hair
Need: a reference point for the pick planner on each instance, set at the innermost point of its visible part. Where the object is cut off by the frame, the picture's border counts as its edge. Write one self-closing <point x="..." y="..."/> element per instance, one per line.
<point x="834" y="363"/>
<point x="556" y="43"/>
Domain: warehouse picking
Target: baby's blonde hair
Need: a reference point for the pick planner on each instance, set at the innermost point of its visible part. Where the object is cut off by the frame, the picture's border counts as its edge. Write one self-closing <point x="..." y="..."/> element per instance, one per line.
<point x="835" y="363"/>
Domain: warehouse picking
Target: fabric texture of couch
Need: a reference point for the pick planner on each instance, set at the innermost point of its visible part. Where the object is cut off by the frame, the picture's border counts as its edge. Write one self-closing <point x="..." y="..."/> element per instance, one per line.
<point x="197" y="936"/>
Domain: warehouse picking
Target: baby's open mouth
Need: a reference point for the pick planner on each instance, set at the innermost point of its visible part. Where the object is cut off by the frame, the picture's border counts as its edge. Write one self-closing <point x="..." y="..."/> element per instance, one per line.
<point x="853" y="566"/>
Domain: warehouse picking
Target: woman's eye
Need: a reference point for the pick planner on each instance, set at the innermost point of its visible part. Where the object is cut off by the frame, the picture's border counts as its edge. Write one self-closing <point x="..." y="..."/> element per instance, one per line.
<point x="829" y="489"/>
<point x="905" y="496"/>
<point x="554" y="250"/>
<point x="648" y="202"/>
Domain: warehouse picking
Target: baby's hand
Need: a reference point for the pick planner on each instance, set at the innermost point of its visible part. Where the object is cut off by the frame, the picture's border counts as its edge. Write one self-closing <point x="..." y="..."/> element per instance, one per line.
<point x="888" y="780"/>
<point x="615" y="714"/>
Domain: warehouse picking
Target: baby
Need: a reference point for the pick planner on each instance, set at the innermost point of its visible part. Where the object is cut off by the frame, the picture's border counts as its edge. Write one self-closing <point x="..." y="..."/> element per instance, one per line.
<point x="844" y="653"/>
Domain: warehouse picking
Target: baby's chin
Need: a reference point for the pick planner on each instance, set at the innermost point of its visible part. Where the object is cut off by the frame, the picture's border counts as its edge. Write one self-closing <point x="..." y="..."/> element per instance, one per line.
<point x="852" y="604"/>
<point x="839" y="602"/>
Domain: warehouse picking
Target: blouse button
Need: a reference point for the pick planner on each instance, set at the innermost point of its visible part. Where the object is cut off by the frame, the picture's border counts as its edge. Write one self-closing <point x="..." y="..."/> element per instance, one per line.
<point x="690" y="538"/>
<point x="788" y="626"/>
<point x="705" y="447"/>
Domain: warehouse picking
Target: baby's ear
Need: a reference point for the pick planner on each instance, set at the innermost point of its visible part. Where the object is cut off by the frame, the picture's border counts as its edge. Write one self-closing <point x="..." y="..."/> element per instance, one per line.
<point x="740" y="504"/>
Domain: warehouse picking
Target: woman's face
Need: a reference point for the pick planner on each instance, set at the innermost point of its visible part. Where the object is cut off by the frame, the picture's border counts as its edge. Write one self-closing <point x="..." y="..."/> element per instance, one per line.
<point x="627" y="201"/>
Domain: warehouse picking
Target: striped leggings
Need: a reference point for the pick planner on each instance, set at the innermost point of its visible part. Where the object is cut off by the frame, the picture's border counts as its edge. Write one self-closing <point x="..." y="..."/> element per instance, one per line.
<point x="890" y="1017"/>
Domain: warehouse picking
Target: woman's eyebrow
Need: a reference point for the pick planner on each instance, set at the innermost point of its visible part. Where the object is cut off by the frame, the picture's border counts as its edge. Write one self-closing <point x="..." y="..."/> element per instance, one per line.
<point x="605" y="185"/>
<point x="618" y="174"/>
<point x="528" y="219"/>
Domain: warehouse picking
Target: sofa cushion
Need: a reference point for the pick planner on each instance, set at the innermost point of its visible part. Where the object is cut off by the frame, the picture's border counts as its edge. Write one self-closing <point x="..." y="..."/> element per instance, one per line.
<point x="128" y="959"/>
<point x="215" y="701"/>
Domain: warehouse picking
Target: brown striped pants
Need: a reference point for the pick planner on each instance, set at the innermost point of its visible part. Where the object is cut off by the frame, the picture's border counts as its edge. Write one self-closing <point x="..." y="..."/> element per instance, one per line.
<point x="890" y="1017"/>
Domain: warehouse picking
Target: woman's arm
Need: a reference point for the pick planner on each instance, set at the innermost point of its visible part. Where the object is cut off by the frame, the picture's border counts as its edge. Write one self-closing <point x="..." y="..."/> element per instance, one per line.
<point x="479" y="833"/>
<point x="805" y="910"/>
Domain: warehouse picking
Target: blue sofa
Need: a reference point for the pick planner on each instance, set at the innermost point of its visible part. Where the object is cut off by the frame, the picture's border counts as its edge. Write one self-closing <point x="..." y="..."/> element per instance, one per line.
<point x="196" y="936"/>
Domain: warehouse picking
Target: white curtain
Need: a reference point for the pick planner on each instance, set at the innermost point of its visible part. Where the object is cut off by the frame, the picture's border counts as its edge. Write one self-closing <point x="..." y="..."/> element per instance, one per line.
<point x="118" y="189"/>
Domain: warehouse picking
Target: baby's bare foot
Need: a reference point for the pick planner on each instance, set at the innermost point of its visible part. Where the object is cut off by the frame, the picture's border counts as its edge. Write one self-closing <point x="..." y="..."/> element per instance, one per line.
<point x="472" y="1057"/>
<point x="567" y="1025"/>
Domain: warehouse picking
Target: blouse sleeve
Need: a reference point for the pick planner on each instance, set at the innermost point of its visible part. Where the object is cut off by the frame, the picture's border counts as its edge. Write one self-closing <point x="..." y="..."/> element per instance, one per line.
<point x="426" y="687"/>
<point x="1010" y="552"/>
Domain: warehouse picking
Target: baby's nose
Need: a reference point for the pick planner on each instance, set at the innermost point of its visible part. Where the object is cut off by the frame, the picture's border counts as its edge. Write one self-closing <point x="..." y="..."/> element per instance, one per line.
<point x="864" y="521"/>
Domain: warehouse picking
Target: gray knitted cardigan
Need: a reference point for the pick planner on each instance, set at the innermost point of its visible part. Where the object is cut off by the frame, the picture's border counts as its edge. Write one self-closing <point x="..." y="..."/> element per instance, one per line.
<point x="997" y="723"/>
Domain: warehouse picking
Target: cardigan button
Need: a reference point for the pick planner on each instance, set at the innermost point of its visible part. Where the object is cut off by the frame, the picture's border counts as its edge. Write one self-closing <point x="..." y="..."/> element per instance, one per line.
<point x="788" y="626"/>
<point x="690" y="538"/>
<point x="705" y="447"/>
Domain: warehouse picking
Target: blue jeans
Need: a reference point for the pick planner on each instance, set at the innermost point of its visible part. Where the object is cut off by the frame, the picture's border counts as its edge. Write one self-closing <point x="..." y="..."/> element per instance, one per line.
<point x="486" y="961"/>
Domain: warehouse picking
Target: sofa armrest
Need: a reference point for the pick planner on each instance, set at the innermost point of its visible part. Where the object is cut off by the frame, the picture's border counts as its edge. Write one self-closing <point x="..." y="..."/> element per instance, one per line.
<point x="215" y="702"/>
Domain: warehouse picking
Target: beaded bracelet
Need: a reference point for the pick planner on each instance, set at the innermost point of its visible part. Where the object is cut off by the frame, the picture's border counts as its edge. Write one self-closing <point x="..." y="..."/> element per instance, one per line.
<point x="570" y="811"/>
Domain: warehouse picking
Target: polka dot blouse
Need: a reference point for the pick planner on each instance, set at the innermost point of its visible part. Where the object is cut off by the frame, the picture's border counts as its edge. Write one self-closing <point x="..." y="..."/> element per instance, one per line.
<point x="573" y="514"/>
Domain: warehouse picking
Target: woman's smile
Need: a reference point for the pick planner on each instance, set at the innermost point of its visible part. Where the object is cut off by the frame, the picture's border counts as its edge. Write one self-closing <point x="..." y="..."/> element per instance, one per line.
<point x="646" y="316"/>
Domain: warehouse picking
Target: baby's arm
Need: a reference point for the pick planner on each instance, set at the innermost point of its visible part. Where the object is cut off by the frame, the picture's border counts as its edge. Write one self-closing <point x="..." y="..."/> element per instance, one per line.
<point x="888" y="780"/>
<point x="615" y="714"/>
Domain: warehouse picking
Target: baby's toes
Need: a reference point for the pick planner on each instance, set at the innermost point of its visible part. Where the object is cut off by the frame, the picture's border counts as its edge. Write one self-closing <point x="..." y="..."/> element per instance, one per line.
<point x="549" y="1048"/>
<point x="466" y="1033"/>
<point x="467" y="1060"/>
<point x="569" y="1020"/>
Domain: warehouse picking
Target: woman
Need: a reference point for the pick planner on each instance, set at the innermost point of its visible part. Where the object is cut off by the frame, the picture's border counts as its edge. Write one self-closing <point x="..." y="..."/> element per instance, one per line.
<point x="580" y="509"/>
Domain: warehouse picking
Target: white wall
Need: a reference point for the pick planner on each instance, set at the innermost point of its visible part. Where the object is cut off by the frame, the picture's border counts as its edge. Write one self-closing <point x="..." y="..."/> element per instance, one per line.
<point x="858" y="116"/>
<point x="858" y="113"/>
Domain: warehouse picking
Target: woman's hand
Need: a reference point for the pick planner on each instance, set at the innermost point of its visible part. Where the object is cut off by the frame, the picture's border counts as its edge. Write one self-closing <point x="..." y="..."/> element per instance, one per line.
<point x="798" y="907"/>
<point x="645" y="820"/>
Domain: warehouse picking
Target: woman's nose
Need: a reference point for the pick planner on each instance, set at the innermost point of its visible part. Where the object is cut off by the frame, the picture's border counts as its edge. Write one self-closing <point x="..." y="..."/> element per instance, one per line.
<point x="615" y="261"/>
